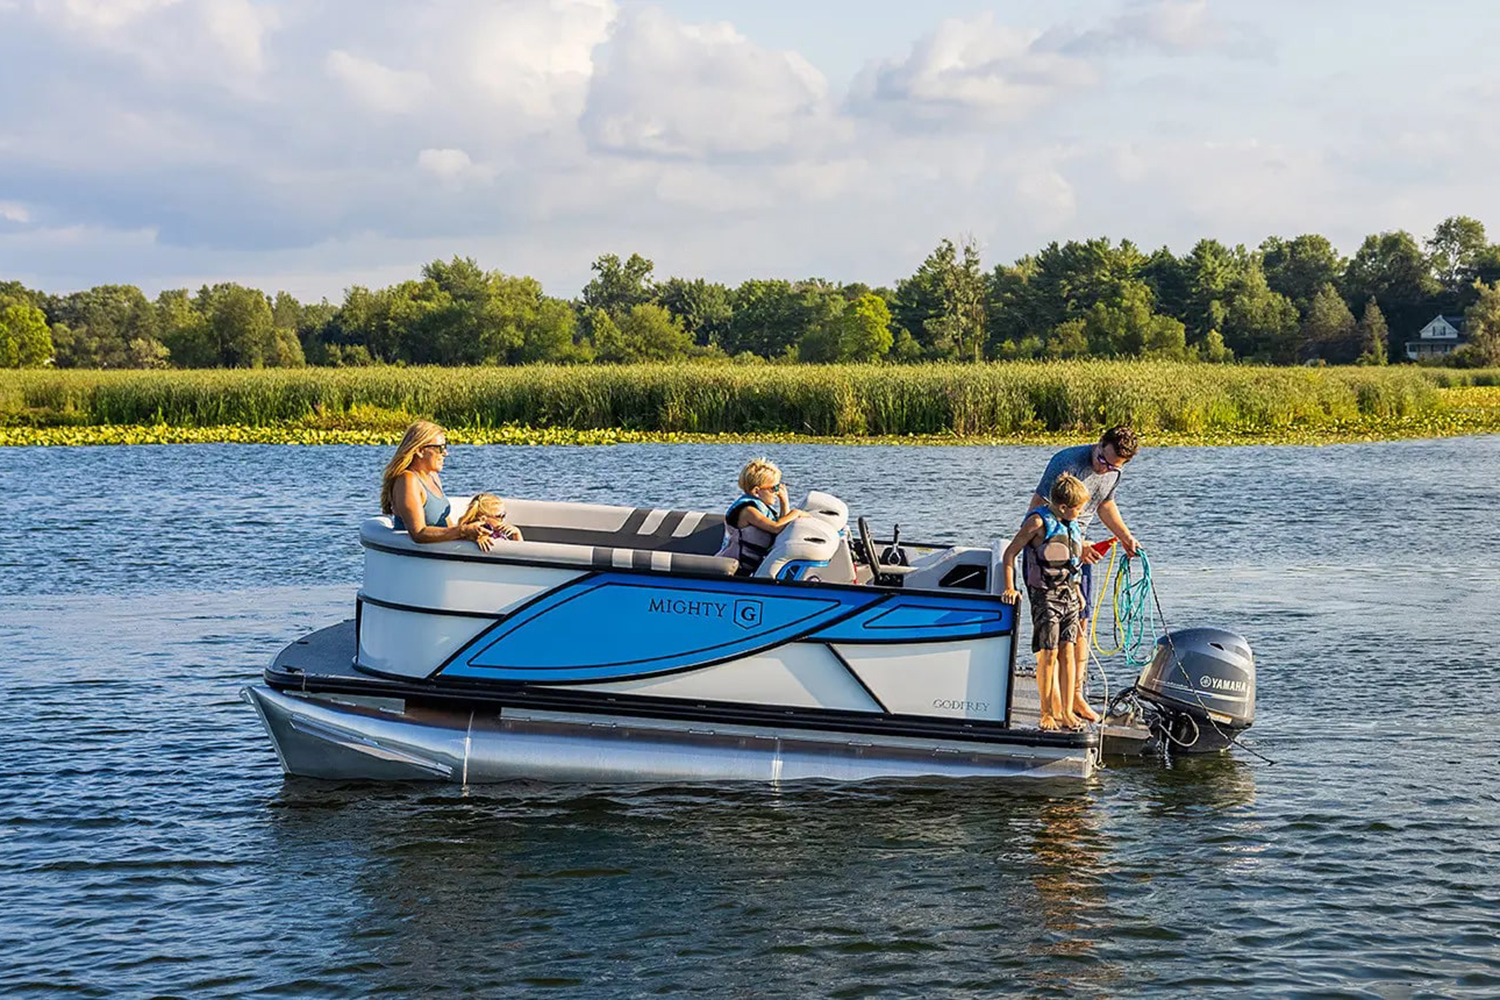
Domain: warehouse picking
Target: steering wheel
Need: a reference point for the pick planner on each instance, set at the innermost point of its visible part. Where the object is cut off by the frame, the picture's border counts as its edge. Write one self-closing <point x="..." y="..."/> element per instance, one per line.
<point x="867" y="542"/>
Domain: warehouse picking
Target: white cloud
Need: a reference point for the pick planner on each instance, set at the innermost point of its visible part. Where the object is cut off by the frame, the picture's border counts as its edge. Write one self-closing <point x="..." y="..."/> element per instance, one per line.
<point x="969" y="72"/>
<point x="535" y="57"/>
<point x="448" y="164"/>
<point x="665" y="88"/>
<point x="290" y="144"/>
<point x="378" y="87"/>
<point x="1171" y="27"/>
<point x="220" y="42"/>
<point x="1046" y="197"/>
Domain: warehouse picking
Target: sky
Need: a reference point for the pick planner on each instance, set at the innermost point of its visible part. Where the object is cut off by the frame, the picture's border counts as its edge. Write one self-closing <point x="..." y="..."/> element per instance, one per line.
<point x="311" y="145"/>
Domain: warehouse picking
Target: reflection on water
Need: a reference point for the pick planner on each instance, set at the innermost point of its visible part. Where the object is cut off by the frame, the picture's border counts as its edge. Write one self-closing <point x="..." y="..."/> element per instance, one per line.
<point x="149" y="844"/>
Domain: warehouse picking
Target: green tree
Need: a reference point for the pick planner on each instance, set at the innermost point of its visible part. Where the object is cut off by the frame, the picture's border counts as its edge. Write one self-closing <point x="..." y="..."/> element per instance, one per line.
<point x="919" y="298"/>
<point x="1013" y="306"/>
<point x="239" y="324"/>
<point x="962" y="322"/>
<point x="651" y="333"/>
<point x="1455" y="248"/>
<point x="607" y="341"/>
<point x="1212" y="349"/>
<point x="1299" y="268"/>
<point x="944" y="303"/>
<point x="1393" y="270"/>
<point x="1373" y="335"/>
<point x="549" y="333"/>
<point x="286" y="311"/>
<point x="703" y="306"/>
<point x="285" y="349"/>
<point x="19" y="293"/>
<point x="1482" y="325"/>
<point x="379" y="321"/>
<point x="769" y="317"/>
<point x="1216" y="275"/>
<point x="865" y="329"/>
<point x="617" y="286"/>
<point x="473" y="318"/>
<point x="1121" y="323"/>
<point x="1257" y="322"/>
<point x="905" y="349"/>
<point x="822" y="330"/>
<point x="25" y="341"/>
<point x="1328" y="330"/>
<point x="1068" y="339"/>
<point x="108" y="326"/>
<point x="316" y="326"/>
<point x="1170" y="281"/>
<point x="184" y="330"/>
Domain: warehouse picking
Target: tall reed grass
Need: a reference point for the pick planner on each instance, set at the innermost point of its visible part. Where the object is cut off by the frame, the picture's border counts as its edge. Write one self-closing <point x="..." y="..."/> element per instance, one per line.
<point x="858" y="400"/>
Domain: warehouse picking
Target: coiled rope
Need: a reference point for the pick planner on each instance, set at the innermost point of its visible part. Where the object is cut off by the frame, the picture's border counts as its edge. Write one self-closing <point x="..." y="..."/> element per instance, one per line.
<point x="1137" y="623"/>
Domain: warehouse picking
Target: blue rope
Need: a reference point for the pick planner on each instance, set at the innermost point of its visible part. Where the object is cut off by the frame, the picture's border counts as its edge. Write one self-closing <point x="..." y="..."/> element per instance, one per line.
<point x="1136" y="621"/>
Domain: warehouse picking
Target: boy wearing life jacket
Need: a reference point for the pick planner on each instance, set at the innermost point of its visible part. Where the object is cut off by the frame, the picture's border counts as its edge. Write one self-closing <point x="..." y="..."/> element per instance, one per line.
<point x="1100" y="468"/>
<point x="1051" y="538"/>
<point x="750" y="523"/>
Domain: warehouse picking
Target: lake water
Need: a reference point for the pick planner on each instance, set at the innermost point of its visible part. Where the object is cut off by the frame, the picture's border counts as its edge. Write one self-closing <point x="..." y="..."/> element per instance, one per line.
<point x="149" y="844"/>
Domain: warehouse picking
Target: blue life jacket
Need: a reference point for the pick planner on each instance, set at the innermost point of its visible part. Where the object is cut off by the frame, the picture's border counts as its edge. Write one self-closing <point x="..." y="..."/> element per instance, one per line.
<point x="749" y="544"/>
<point x="1053" y="560"/>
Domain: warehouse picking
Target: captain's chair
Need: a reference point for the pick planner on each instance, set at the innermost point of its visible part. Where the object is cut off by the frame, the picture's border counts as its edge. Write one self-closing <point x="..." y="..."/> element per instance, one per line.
<point x="813" y="548"/>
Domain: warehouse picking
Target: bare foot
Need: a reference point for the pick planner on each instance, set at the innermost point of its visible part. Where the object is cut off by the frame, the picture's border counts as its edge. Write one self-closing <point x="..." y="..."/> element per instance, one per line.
<point x="1083" y="711"/>
<point x="1047" y="723"/>
<point x="1071" y="721"/>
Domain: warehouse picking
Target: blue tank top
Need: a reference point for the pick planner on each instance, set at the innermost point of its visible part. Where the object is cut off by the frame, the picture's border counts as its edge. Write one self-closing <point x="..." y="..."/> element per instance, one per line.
<point x="435" y="508"/>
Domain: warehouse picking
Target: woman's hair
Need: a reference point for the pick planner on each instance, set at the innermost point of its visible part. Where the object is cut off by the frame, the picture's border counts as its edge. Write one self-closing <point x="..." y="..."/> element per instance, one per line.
<point x="483" y="505"/>
<point x="417" y="436"/>
<point x="755" y="472"/>
<point x="1068" y="491"/>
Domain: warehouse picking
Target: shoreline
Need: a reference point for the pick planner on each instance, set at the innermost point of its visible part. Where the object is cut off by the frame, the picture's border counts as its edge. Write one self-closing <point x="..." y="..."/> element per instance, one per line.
<point x="1316" y="407"/>
<point x="1427" y="426"/>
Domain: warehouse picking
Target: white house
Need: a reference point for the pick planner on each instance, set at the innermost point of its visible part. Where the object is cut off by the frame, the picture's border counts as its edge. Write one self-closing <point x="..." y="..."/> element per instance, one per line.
<point x="1443" y="335"/>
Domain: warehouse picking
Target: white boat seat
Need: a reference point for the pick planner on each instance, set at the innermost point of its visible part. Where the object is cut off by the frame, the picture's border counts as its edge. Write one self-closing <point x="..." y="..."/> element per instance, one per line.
<point x="675" y="531"/>
<point x="805" y="550"/>
<point x="379" y="531"/>
<point x="827" y="507"/>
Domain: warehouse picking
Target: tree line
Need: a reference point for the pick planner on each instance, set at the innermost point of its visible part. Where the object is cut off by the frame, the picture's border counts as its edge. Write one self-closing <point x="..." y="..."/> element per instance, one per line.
<point x="1287" y="301"/>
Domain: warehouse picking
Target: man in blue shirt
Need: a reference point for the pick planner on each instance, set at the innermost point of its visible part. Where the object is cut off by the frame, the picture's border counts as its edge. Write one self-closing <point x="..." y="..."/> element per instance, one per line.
<point x="1099" y="467"/>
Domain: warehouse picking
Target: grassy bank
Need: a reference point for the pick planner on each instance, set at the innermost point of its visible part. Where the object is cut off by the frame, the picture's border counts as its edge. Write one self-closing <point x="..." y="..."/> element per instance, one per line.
<point x="1170" y="402"/>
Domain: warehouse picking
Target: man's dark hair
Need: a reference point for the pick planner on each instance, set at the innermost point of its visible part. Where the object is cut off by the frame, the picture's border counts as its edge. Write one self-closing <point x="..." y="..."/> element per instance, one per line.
<point x="1122" y="440"/>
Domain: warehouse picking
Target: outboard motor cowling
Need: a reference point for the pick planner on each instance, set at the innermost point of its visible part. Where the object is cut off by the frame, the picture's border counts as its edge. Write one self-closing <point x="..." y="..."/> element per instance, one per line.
<point x="1202" y="684"/>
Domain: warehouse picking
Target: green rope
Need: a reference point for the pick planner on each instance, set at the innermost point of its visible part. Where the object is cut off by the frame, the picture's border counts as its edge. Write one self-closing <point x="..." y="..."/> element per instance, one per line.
<point x="1137" y="626"/>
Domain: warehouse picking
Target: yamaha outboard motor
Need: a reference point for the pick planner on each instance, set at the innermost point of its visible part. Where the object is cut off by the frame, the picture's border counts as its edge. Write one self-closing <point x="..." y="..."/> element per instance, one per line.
<point x="1201" y="685"/>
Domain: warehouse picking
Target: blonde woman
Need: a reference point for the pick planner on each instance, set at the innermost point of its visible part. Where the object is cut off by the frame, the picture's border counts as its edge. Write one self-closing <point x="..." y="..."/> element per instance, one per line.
<point x="412" y="492"/>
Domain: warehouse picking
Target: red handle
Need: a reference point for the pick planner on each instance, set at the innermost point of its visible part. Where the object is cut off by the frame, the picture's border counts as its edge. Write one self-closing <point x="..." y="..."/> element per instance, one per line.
<point x="1102" y="547"/>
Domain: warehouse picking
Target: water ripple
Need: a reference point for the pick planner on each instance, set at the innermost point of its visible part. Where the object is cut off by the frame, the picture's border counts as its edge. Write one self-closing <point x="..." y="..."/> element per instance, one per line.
<point x="150" y="845"/>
